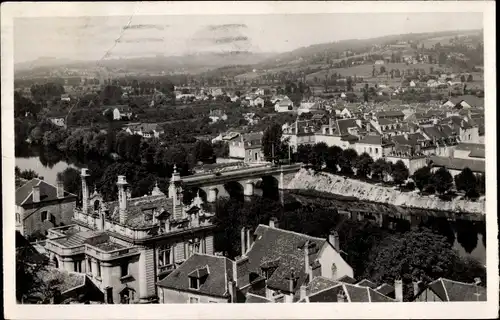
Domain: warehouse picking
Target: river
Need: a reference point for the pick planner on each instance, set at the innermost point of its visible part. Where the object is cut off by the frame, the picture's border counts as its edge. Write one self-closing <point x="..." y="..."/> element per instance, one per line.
<point x="462" y="232"/>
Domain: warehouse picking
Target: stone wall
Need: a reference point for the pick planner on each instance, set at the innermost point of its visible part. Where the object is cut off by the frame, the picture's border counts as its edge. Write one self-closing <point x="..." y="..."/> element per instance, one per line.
<point x="325" y="182"/>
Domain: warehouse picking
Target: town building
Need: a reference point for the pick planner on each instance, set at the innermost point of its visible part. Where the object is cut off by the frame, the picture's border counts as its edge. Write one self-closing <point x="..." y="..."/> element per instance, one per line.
<point x="58" y="121"/>
<point x="248" y="147"/>
<point x="201" y="278"/>
<point x="285" y="105"/>
<point x="41" y="206"/>
<point x="445" y="290"/>
<point x="145" y="130"/>
<point x="126" y="246"/>
<point x="374" y="145"/>
<point x="276" y="263"/>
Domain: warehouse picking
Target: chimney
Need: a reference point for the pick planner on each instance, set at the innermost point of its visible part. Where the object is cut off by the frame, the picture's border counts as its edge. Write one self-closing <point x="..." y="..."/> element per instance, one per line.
<point x="334" y="240"/>
<point x="36" y="193"/>
<point x="341" y="297"/>
<point x="303" y="292"/>
<point x="291" y="281"/>
<point x="85" y="191"/>
<point x="416" y="287"/>
<point x="249" y="238"/>
<point x="232" y="291"/>
<point x="273" y="222"/>
<point x="243" y="243"/>
<point x="122" y="199"/>
<point x="60" y="189"/>
<point x="307" y="262"/>
<point x="398" y="289"/>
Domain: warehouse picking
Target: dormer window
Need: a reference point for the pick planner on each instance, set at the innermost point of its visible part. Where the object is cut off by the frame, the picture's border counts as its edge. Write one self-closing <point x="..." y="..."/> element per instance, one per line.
<point x="194" y="283"/>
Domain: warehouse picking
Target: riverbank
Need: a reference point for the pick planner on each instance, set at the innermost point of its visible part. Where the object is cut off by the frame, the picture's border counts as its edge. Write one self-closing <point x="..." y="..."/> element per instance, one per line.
<point x="334" y="184"/>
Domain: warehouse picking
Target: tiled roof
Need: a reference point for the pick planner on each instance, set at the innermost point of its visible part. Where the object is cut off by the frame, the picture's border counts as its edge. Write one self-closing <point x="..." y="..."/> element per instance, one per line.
<point x="478" y="153"/>
<point x="385" y="121"/>
<point x="354" y="293"/>
<point x="48" y="192"/>
<point x="273" y="243"/>
<point x="344" y="124"/>
<point x="469" y="146"/>
<point x="458" y="164"/>
<point x="437" y="132"/>
<point x="77" y="239"/>
<point x="218" y="272"/>
<point x="319" y="284"/>
<point x="385" y="289"/>
<point x="449" y="290"/>
<point x="412" y="140"/>
<point x="367" y="283"/>
<point x="347" y="279"/>
<point x="135" y="206"/>
<point x="253" y="298"/>
<point x="390" y="113"/>
<point x="371" y="139"/>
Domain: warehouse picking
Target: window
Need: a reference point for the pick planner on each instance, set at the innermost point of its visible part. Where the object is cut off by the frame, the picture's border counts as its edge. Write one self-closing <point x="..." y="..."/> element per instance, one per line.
<point x="53" y="219"/>
<point x="376" y="150"/>
<point x="109" y="295"/>
<point x="370" y="149"/>
<point x="194" y="300"/>
<point x="98" y="267"/>
<point x="77" y="266"/>
<point x="89" y="264"/>
<point x="212" y="301"/>
<point x="193" y="247"/>
<point x="126" y="296"/>
<point x="44" y="215"/>
<point x="164" y="257"/>
<point x="124" y="269"/>
<point x="193" y="283"/>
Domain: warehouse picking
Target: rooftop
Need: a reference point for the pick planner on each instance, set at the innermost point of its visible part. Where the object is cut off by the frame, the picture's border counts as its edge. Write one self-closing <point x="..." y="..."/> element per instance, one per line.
<point x="458" y="164"/>
<point x="48" y="192"/>
<point x="214" y="271"/>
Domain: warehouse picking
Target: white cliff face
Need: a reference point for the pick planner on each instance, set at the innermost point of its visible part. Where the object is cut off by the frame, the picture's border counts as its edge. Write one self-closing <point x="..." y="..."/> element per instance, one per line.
<point x="331" y="183"/>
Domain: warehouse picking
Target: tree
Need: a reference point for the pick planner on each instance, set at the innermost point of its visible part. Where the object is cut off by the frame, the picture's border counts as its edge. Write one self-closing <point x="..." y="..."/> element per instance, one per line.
<point x="70" y="178"/>
<point x="333" y="155"/>
<point x="422" y="177"/>
<point x="363" y="165"/>
<point x="203" y="151"/>
<point x="271" y="140"/>
<point x="462" y="78"/>
<point x="347" y="161"/>
<point x="469" y="78"/>
<point x="420" y="255"/>
<point x="442" y="180"/>
<point x="481" y="184"/>
<point x="318" y="155"/>
<point x="221" y="149"/>
<point x="467" y="181"/>
<point x="399" y="172"/>
<point x="382" y="69"/>
<point x="380" y="169"/>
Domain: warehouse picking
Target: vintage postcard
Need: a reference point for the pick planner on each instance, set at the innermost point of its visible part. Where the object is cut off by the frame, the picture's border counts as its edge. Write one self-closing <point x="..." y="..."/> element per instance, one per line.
<point x="321" y="159"/>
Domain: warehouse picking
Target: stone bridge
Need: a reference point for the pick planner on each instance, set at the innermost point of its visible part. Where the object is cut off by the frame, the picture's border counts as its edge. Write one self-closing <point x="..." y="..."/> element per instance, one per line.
<point x="241" y="181"/>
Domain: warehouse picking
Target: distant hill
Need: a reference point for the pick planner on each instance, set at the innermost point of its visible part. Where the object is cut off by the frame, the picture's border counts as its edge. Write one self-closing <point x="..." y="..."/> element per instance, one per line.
<point x="193" y="63"/>
<point x="305" y="54"/>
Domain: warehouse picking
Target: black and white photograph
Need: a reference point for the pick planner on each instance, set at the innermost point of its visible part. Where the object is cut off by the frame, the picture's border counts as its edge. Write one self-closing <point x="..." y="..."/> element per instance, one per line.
<point x="157" y="156"/>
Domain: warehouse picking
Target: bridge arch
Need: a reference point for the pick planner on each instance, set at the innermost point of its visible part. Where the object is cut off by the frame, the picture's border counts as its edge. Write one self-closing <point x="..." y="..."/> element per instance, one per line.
<point x="235" y="190"/>
<point x="269" y="185"/>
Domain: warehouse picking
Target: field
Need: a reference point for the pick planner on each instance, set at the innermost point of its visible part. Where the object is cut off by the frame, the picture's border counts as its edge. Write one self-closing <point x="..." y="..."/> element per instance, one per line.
<point x="365" y="70"/>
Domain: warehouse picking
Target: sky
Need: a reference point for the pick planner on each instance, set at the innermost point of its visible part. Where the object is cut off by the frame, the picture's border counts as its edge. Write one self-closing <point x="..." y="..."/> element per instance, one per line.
<point x="95" y="38"/>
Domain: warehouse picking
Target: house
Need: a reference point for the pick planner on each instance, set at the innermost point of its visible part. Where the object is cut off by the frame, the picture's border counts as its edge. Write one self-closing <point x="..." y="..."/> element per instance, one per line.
<point x="41" y="206"/>
<point x="217" y="115"/>
<point x="65" y="97"/>
<point x="58" y="121"/>
<point x="307" y="107"/>
<point x="258" y="102"/>
<point x="146" y="130"/>
<point x="388" y="127"/>
<point x="473" y="151"/>
<point x="216" y="92"/>
<point x="390" y="114"/>
<point x="301" y="132"/>
<point x="127" y="246"/>
<point x="445" y="290"/>
<point x="374" y="145"/>
<point x="247" y="147"/>
<point x="456" y="165"/>
<point x="276" y="263"/>
<point x="285" y="105"/>
<point x="322" y="289"/>
<point x="120" y="112"/>
<point x="442" y="136"/>
<point x="278" y="98"/>
<point x="466" y="131"/>
<point x="201" y="278"/>
<point x="412" y="84"/>
<point x="379" y="62"/>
